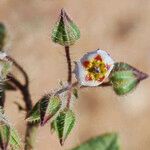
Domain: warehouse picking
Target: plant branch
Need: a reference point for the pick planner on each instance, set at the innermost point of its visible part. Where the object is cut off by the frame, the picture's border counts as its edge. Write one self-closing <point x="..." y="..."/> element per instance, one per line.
<point x="31" y="128"/>
<point x="20" y="69"/>
<point x="24" y="91"/>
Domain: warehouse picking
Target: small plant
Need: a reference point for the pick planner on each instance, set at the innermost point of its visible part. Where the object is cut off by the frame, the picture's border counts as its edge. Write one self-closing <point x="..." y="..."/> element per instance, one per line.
<point x="95" y="69"/>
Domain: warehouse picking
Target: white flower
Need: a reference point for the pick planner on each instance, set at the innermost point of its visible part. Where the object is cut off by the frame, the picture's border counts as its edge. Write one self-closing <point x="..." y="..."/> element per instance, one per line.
<point x="93" y="68"/>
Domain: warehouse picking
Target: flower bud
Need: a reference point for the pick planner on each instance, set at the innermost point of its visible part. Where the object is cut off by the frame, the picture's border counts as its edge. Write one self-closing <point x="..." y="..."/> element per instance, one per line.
<point x="125" y="78"/>
<point x="65" y="32"/>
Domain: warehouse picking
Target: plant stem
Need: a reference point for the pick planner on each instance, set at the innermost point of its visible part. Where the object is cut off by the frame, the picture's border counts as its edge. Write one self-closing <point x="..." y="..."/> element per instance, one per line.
<point x="24" y="91"/>
<point x="67" y="50"/>
<point x="31" y="128"/>
<point x="2" y="97"/>
<point x="25" y="75"/>
<point x="75" y="84"/>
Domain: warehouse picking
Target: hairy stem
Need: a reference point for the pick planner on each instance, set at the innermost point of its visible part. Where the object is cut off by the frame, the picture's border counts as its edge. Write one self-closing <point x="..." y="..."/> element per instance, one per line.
<point x="67" y="50"/>
<point x="75" y="84"/>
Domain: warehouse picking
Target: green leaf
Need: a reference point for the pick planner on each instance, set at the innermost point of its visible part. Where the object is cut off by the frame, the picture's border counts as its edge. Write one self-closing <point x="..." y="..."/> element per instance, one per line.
<point x="49" y="108"/>
<point x="123" y="82"/>
<point x="44" y="109"/>
<point x="34" y="115"/>
<point x="63" y="124"/>
<point x="124" y="78"/>
<point x="65" y="32"/>
<point x="4" y="135"/>
<point x="8" y="134"/>
<point x="103" y="142"/>
<point x="15" y="141"/>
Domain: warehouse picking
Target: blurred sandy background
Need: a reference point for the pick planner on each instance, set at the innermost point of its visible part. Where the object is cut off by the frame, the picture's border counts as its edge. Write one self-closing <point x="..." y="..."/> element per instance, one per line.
<point x="121" y="27"/>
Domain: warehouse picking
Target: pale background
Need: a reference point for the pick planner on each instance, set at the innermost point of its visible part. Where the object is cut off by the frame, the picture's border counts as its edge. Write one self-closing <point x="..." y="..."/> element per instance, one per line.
<point x="121" y="27"/>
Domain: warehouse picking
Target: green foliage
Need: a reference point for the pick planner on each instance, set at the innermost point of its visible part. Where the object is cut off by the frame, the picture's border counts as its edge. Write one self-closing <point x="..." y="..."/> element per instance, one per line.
<point x="63" y="124"/>
<point x="4" y="135"/>
<point x="44" y="109"/>
<point x="52" y="107"/>
<point x="103" y="142"/>
<point x="8" y="135"/>
<point x="14" y="140"/>
<point x="123" y="82"/>
<point x="124" y="78"/>
<point x="65" y="32"/>
<point x="34" y="115"/>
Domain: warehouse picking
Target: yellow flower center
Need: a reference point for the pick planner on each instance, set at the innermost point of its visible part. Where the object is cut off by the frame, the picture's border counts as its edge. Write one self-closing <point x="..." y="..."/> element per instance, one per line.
<point x="96" y="69"/>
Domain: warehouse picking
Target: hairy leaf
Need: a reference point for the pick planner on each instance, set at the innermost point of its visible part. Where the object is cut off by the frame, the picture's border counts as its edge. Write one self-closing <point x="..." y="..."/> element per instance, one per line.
<point x="4" y="135"/>
<point x="15" y="141"/>
<point x="49" y="107"/>
<point x="63" y="124"/>
<point x="34" y="115"/>
<point x="103" y="142"/>
<point x="8" y="135"/>
<point x="44" y="109"/>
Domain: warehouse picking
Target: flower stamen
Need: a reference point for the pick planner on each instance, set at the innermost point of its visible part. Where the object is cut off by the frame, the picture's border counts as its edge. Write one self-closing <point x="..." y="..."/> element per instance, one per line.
<point x="95" y="69"/>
